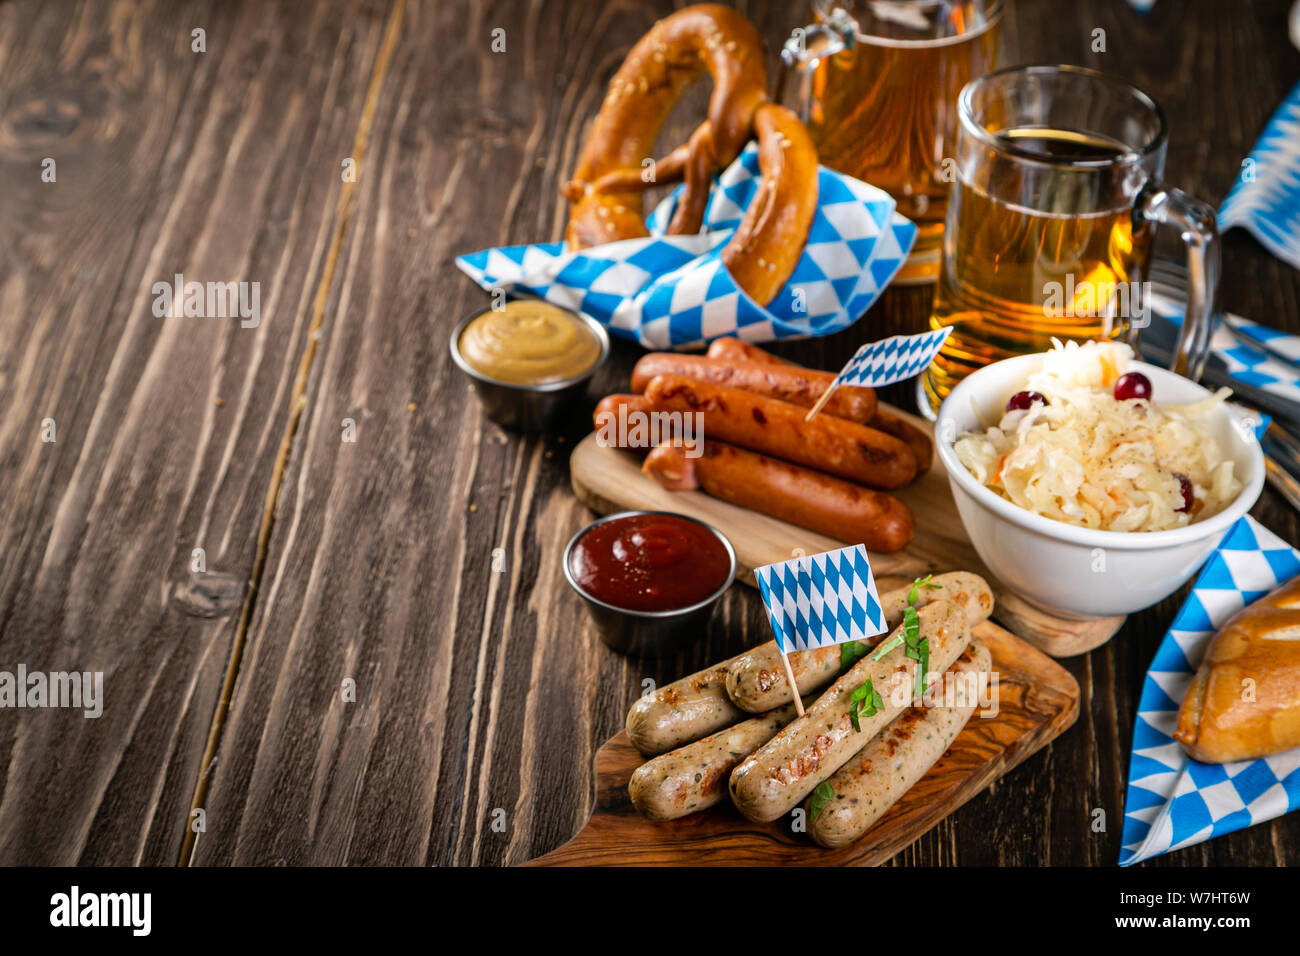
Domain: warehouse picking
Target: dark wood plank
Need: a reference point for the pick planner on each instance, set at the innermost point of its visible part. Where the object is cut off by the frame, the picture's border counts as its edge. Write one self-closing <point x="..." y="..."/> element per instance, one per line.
<point x="470" y="682"/>
<point x="222" y="165"/>
<point x="477" y="690"/>
<point x="483" y="694"/>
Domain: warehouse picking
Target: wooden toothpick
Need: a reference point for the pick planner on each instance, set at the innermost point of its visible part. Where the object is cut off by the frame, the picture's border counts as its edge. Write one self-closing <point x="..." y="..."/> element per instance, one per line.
<point x="789" y="675"/>
<point x="821" y="403"/>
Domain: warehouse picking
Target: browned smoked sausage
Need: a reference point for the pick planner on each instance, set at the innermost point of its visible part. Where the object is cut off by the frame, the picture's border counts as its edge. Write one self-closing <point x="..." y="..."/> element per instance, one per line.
<point x="734" y="350"/>
<point x="789" y="383"/>
<point x="610" y="405"/>
<point x="801" y="496"/>
<point x="905" y="431"/>
<point x="777" y="428"/>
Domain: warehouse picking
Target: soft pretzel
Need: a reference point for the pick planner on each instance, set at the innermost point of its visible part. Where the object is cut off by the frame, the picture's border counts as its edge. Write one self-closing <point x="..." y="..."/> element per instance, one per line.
<point x="605" y="192"/>
<point x="766" y="248"/>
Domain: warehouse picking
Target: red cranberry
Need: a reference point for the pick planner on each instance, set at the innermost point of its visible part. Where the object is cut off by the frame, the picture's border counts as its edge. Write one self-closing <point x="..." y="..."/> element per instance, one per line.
<point x="1023" y="400"/>
<point x="1186" y="488"/>
<point x="1132" y="385"/>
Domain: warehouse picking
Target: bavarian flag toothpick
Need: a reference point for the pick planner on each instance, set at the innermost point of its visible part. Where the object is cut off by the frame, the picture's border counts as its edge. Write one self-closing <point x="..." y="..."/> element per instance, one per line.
<point x="895" y="359"/>
<point x="817" y="600"/>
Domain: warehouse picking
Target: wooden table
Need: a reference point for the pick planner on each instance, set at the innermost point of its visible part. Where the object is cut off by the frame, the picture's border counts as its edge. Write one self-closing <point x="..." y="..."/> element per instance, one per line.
<point x="422" y="560"/>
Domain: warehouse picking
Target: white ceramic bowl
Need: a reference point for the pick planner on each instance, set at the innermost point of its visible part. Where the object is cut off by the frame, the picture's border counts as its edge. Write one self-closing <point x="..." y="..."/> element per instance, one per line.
<point x="1079" y="572"/>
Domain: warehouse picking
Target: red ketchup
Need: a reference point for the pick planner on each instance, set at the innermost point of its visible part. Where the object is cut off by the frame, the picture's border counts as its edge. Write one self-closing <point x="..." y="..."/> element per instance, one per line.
<point x="650" y="562"/>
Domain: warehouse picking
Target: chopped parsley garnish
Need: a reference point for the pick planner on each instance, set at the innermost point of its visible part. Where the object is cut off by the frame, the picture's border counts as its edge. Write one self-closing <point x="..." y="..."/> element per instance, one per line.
<point x="926" y="582"/>
<point x="864" y="702"/>
<point x="918" y="648"/>
<point x="850" y="653"/>
<point x="886" y="647"/>
<point x="820" y="797"/>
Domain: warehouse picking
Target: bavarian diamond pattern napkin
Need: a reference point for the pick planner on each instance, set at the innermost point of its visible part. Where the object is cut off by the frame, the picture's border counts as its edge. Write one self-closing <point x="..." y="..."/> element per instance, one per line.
<point x="1266" y="367"/>
<point x="1260" y="367"/>
<point x="674" y="292"/>
<point x="1266" y="196"/>
<point x="891" y="360"/>
<point x="1280" y="345"/>
<point x="1174" y="801"/>
<point x="821" y="599"/>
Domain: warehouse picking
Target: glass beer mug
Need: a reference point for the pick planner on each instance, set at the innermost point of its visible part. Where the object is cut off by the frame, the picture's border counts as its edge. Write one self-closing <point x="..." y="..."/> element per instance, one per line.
<point x="1051" y="219"/>
<point x="876" y="83"/>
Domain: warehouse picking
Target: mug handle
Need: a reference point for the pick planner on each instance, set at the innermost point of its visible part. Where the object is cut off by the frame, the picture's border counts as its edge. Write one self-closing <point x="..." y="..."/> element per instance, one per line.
<point x="804" y="51"/>
<point x="1199" y="230"/>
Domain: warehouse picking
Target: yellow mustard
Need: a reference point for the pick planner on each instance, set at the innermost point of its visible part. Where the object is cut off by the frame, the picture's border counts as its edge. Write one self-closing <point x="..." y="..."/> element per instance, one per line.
<point x="529" y="342"/>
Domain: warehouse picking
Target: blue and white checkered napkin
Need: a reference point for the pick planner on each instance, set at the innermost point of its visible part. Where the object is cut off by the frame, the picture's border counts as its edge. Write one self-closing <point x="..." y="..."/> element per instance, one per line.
<point x="1263" y="367"/>
<point x="1266" y="196"/>
<point x="1174" y="801"/>
<point x="1257" y="355"/>
<point x="1278" y="344"/>
<point x="674" y="292"/>
<point x="895" y="359"/>
<point x="821" y="599"/>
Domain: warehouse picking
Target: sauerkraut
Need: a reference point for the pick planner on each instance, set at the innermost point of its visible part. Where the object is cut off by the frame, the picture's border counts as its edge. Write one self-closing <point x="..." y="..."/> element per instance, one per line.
<point x="1091" y="460"/>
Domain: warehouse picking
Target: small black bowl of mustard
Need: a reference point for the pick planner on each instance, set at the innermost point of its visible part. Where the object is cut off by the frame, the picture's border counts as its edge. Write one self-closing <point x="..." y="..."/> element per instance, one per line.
<point x="528" y="360"/>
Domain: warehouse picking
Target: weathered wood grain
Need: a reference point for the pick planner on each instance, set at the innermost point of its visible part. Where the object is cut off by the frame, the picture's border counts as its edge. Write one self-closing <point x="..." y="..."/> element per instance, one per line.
<point x="388" y="543"/>
<point x="477" y="690"/>
<point x="482" y="695"/>
<point x="514" y="693"/>
<point x="222" y="165"/>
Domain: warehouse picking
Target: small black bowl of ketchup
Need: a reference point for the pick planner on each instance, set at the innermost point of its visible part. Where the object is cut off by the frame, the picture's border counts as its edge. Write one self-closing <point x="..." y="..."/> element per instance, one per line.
<point x="650" y="578"/>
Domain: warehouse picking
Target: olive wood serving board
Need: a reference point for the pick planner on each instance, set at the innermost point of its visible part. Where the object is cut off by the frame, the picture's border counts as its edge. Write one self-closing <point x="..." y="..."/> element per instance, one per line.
<point x="607" y="480"/>
<point x="1037" y="700"/>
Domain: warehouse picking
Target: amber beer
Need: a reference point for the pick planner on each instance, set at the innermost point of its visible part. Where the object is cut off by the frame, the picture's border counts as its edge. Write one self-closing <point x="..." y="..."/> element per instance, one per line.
<point x="1015" y="278"/>
<point x="1051" y="219"/>
<point x="882" y="108"/>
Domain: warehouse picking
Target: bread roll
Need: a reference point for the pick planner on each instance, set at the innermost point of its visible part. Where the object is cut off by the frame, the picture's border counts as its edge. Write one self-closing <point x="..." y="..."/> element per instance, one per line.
<point x="1244" y="702"/>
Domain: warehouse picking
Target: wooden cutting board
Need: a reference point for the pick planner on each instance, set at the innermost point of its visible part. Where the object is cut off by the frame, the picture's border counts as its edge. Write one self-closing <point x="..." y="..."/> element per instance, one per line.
<point x="608" y="480"/>
<point x="1037" y="700"/>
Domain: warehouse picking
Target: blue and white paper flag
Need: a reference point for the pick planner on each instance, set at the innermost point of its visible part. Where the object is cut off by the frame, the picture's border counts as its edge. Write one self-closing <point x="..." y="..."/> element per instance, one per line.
<point x="821" y="599"/>
<point x="1173" y="801"/>
<point x="674" y="292"/>
<point x="1266" y="196"/>
<point x="895" y="359"/>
